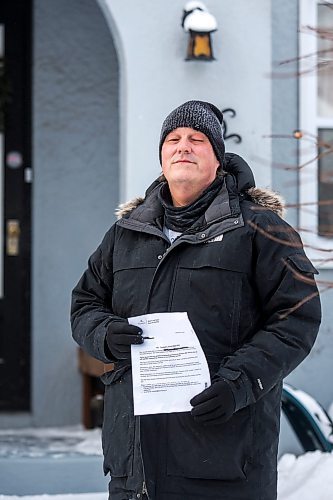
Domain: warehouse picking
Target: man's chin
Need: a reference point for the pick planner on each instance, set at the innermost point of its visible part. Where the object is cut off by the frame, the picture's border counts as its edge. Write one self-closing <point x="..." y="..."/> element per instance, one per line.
<point x="183" y="179"/>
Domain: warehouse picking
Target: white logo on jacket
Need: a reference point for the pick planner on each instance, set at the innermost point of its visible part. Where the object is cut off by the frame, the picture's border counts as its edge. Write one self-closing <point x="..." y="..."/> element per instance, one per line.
<point x="217" y="238"/>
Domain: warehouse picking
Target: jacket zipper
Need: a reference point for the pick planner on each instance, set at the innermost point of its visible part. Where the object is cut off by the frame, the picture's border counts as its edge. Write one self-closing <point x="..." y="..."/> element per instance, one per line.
<point x="144" y="486"/>
<point x="144" y="489"/>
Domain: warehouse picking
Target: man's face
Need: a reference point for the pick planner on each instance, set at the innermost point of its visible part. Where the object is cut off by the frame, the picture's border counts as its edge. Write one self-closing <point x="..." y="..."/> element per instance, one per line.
<point x="188" y="159"/>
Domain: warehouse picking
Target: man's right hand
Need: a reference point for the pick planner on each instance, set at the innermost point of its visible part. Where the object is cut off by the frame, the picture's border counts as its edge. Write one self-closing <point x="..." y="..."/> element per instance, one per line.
<point x="119" y="338"/>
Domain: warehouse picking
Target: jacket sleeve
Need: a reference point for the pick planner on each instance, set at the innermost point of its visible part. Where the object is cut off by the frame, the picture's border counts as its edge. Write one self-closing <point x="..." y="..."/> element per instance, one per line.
<point x="91" y="309"/>
<point x="290" y="312"/>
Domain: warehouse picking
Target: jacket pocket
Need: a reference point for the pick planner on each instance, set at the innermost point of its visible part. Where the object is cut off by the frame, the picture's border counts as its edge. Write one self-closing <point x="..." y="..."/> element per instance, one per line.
<point x="210" y="452"/>
<point x="302" y="263"/>
<point x="131" y="284"/>
<point x="214" y="310"/>
<point x="118" y="432"/>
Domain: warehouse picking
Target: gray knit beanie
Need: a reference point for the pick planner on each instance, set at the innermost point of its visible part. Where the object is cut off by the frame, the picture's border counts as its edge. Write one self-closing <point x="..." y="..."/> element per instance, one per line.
<point x="199" y="115"/>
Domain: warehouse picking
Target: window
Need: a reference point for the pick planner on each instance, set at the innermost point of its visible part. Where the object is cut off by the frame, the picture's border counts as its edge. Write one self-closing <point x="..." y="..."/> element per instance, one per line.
<point x="325" y="182"/>
<point x="316" y="122"/>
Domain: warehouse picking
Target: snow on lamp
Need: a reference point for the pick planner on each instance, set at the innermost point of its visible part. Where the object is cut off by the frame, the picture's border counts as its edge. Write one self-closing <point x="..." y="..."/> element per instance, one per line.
<point x="199" y="23"/>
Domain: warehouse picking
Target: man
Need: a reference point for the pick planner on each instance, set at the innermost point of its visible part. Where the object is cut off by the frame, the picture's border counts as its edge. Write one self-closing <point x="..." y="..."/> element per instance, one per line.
<point x="203" y="240"/>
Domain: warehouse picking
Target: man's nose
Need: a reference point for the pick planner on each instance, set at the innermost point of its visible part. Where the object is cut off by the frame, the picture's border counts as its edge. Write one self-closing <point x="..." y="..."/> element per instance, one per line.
<point x="184" y="146"/>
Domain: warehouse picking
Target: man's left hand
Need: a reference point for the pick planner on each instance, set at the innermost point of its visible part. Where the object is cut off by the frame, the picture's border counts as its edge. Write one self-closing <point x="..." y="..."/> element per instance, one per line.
<point x="214" y="405"/>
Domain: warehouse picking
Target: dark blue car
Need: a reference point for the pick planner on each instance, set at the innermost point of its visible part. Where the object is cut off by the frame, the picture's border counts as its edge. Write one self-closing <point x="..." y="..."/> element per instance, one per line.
<point x="308" y="419"/>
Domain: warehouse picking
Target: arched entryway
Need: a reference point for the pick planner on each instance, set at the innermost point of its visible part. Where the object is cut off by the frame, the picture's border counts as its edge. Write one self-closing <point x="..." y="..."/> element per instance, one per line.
<point x="74" y="140"/>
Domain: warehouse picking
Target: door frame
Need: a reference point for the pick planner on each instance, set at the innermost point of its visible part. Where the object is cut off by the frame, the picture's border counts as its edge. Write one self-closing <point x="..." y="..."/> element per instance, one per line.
<point x="15" y="309"/>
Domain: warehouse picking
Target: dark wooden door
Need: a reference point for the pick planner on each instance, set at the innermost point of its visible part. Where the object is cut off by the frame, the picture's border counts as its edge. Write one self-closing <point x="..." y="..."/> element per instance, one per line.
<point x="15" y="213"/>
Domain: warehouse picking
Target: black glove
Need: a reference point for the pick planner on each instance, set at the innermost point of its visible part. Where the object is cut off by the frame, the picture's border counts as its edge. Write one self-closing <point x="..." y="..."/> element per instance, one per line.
<point x="214" y="405"/>
<point x="120" y="336"/>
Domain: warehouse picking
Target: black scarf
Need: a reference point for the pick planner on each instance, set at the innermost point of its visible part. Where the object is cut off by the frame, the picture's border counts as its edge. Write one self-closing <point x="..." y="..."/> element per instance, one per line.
<point x="181" y="218"/>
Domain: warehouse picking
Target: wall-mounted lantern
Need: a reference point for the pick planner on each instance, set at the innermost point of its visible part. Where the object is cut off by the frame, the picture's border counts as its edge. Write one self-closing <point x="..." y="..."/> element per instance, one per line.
<point x="199" y="23"/>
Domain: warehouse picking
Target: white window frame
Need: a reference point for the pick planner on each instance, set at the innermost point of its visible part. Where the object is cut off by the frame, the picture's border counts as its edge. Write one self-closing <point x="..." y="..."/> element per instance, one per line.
<point x="318" y="248"/>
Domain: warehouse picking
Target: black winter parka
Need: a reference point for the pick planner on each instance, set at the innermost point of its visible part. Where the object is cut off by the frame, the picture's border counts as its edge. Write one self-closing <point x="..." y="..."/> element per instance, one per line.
<point x="243" y="278"/>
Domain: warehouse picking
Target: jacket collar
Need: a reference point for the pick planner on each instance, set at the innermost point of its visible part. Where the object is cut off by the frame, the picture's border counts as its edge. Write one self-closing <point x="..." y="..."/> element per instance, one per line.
<point x="263" y="198"/>
<point x="149" y="209"/>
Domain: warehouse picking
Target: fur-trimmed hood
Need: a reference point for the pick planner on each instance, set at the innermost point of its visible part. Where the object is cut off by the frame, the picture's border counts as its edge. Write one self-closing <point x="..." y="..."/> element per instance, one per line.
<point x="263" y="197"/>
<point x="268" y="199"/>
<point x="127" y="207"/>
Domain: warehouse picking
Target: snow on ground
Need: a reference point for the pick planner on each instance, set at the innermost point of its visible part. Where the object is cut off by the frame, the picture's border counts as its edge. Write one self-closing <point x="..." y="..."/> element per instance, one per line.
<point x="82" y="496"/>
<point x="55" y="442"/>
<point x="306" y="477"/>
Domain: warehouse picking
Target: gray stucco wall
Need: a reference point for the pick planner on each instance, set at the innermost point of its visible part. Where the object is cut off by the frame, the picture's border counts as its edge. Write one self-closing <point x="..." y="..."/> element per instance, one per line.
<point x="76" y="174"/>
<point x="284" y="103"/>
<point x="156" y="78"/>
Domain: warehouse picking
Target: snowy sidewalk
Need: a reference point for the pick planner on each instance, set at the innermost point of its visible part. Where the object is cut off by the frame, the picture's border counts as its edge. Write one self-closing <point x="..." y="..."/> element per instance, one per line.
<point x="308" y="477"/>
<point x="55" y="461"/>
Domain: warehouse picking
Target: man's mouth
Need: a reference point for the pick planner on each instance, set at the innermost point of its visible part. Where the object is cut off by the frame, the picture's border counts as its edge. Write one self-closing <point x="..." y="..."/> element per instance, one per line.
<point x="183" y="161"/>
